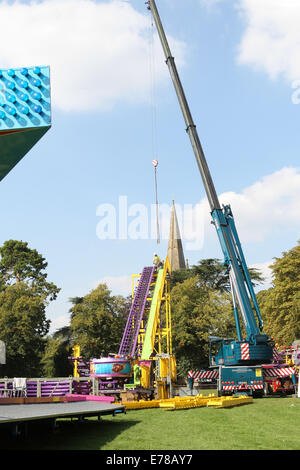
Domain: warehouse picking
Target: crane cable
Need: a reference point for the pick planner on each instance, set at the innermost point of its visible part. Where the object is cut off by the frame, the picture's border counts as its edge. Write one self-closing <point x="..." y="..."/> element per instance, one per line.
<point x="155" y="164"/>
<point x="153" y="119"/>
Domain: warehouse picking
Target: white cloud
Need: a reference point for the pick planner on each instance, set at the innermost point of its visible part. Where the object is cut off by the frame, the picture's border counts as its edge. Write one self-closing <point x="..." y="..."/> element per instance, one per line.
<point x="266" y="273"/>
<point x="268" y="207"/>
<point x="271" y="41"/>
<point x="119" y="285"/>
<point x="98" y="52"/>
<point x="59" y="322"/>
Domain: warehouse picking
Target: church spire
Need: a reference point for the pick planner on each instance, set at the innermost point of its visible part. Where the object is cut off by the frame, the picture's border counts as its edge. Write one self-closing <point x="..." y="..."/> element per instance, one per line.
<point x="175" y="250"/>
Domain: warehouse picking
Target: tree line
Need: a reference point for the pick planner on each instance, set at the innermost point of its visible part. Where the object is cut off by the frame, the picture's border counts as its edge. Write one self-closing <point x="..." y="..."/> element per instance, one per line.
<point x="200" y="301"/>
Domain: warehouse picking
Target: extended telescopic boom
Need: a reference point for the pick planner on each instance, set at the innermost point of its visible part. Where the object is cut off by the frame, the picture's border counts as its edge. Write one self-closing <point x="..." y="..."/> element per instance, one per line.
<point x="190" y="126"/>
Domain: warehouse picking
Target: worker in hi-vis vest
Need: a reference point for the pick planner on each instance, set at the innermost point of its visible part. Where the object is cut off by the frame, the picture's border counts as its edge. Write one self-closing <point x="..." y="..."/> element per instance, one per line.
<point x="156" y="261"/>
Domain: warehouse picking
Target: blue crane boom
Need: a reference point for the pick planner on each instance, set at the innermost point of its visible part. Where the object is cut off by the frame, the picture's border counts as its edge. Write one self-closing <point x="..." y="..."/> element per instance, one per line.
<point x="244" y="300"/>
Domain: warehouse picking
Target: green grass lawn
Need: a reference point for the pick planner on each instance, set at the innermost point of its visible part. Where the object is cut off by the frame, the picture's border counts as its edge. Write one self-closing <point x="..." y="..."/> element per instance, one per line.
<point x="266" y="424"/>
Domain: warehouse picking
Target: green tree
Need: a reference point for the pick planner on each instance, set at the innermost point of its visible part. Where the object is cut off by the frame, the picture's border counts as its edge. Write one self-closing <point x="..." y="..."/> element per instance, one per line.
<point x="97" y="322"/>
<point x="212" y="275"/>
<point x="24" y="296"/>
<point x="19" y="263"/>
<point x="58" y="349"/>
<point x="180" y="275"/>
<point x="280" y="305"/>
<point x="197" y="313"/>
<point x="23" y="326"/>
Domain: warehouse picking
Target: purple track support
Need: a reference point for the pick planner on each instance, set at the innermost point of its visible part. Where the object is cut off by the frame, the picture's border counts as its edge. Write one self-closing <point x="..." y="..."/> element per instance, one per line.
<point x="131" y="331"/>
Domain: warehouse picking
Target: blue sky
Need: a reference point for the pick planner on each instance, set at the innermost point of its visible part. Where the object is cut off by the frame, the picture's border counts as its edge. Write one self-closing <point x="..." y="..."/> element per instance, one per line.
<point x="239" y="66"/>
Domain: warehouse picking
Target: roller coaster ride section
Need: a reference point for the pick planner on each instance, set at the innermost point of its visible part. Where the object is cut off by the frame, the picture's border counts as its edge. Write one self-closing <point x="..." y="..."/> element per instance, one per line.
<point x="130" y="336"/>
<point x="153" y="331"/>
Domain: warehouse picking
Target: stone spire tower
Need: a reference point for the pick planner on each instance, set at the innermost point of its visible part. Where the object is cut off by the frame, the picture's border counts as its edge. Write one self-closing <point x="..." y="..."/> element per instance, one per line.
<point x="175" y="250"/>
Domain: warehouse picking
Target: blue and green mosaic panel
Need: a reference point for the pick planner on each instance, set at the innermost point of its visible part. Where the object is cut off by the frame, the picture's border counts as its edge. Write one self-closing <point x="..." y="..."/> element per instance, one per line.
<point x="25" y="112"/>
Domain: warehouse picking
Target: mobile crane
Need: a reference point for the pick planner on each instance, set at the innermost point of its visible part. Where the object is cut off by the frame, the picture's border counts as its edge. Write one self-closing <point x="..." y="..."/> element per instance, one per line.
<point x="238" y="360"/>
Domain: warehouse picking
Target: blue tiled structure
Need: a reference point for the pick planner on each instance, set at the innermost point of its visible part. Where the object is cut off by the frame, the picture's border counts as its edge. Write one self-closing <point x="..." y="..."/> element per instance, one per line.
<point x="25" y="112"/>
